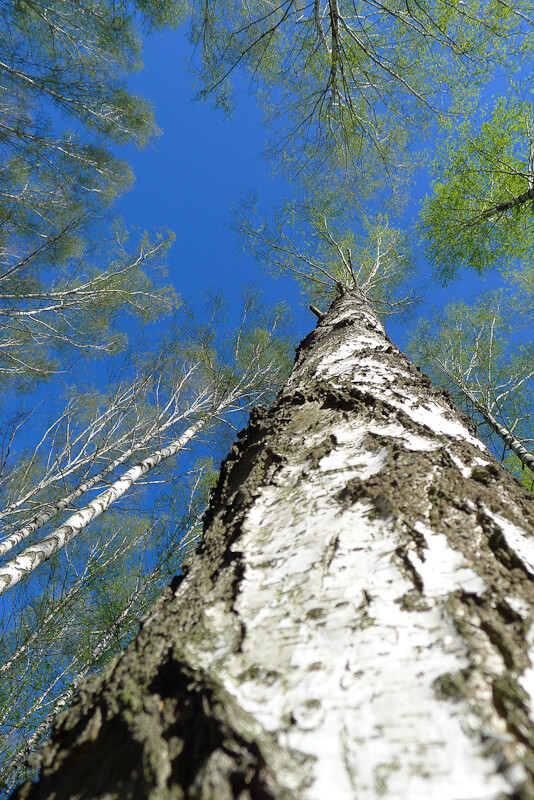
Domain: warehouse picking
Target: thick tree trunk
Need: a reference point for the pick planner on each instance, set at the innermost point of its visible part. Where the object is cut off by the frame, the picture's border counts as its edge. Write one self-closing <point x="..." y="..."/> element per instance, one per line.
<point x="356" y="623"/>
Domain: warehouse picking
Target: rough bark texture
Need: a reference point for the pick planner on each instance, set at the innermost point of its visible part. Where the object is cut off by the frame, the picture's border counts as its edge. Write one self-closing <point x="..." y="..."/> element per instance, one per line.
<point x="357" y="621"/>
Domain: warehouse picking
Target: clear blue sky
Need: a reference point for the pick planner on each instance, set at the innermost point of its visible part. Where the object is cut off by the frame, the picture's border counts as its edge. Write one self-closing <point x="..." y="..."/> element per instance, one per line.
<point x="188" y="179"/>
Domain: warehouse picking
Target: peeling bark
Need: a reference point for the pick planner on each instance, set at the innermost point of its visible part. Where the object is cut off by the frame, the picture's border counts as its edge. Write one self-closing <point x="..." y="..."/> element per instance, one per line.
<point x="357" y="621"/>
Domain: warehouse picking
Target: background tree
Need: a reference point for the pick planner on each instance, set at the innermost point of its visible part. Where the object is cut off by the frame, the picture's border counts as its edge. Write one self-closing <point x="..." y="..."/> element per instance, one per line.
<point x="74" y="315"/>
<point x="64" y="108"/>
<point x="483" y="355"/>
<point x="64" y="71"/>
<point x="480" y="212"/>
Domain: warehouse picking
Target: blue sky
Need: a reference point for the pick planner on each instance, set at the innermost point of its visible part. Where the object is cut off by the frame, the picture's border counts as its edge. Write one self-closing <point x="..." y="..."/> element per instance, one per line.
<point x="188" y="179"/>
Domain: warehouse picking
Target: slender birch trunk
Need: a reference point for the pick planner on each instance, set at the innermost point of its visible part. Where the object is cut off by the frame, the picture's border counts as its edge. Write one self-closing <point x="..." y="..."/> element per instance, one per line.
<point x="53" y="509"/>
<point x="56" y="508"/>
<point x="526" y="458"/>
<point x="357" y="622"/>
<point x="32" y="557"/>
<point x="502" y="208"/>
<point x="60" y="505"/>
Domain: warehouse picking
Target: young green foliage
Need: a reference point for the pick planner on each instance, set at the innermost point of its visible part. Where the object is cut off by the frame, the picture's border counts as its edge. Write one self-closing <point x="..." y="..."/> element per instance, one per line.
<point x="328" y="249"/>
<point x="480" y="214"/>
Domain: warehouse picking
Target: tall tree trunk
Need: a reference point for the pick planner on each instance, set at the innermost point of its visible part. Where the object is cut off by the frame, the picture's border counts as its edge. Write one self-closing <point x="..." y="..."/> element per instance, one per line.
<point x="356" y="623"/>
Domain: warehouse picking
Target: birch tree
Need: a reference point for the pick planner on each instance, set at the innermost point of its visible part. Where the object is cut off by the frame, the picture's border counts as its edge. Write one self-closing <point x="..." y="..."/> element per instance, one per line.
<point x="483" y="355"/>
<point x="358" y="620"/>
<point x="64" y="100"/>
<point x="65" y="107"/>
<point x="357" y="617"/>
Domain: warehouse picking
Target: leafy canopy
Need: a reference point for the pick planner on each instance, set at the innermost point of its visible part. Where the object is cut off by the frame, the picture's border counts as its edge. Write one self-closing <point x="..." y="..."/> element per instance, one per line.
<point x="347" y="85"/>
<point x="480" y="213"/>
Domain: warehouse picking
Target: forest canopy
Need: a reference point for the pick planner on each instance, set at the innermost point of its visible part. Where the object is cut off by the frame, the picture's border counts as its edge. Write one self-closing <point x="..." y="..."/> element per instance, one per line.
<point x="401" y="140"/>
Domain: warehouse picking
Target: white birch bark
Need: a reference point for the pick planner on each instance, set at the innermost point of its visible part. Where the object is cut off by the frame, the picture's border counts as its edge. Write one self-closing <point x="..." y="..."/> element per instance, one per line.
<point x="358" y="622"/>
<point x="77" y="452"/>
<point x="32" y="557"/>
<point x="158" y="427"/>
<point x="98" y="440"/>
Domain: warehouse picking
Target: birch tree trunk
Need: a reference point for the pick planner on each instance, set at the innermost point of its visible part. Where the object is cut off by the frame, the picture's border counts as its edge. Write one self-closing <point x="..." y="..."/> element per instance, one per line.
<point x="526" y="458"/>
<point x="32" y="557"/>
<point x="357" y="620"/>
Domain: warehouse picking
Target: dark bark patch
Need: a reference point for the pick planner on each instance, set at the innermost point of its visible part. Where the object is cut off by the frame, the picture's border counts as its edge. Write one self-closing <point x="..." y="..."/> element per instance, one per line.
<point x="212" y="761"/>
<point x="109" y="766"/>
<point x="505" y="633"/>
<point x="451" y="686"/>
<point x="413" y="600"/>
<point x="485" y="474"/>
<point x="500" y="548"/>
<point x="409" y="569"/>
<point x="511" y="701"/>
